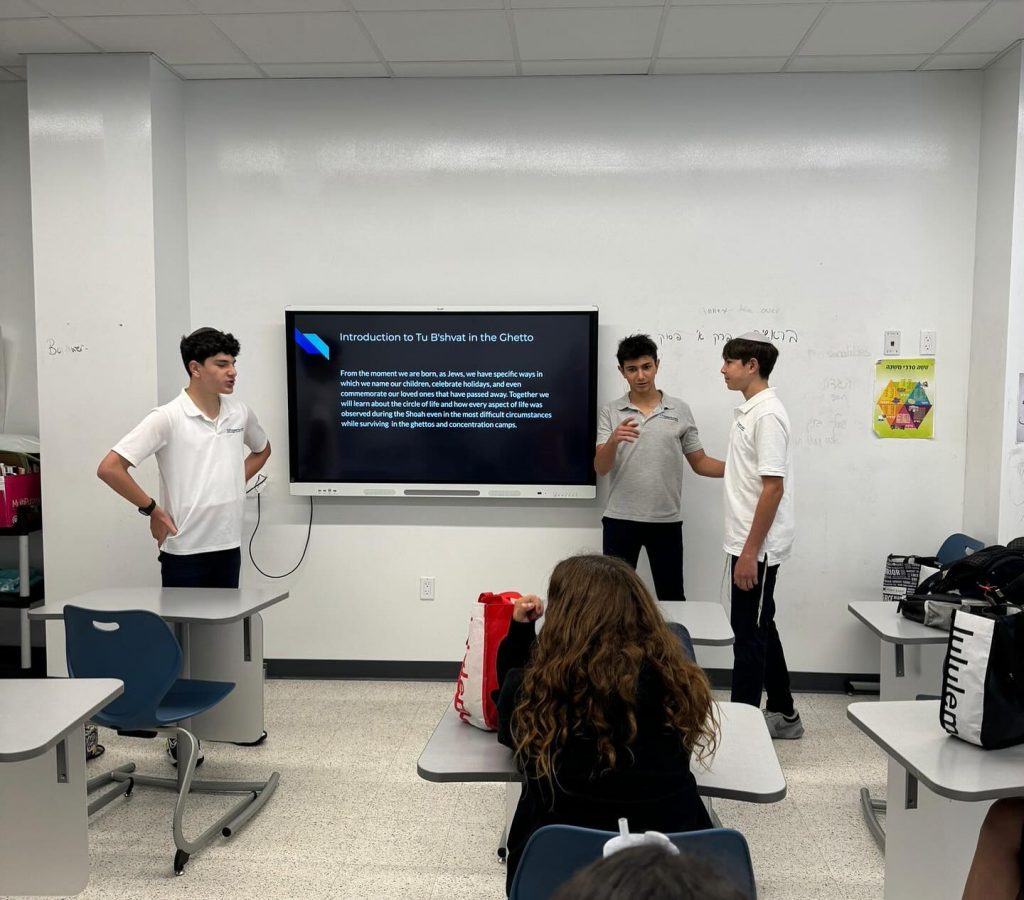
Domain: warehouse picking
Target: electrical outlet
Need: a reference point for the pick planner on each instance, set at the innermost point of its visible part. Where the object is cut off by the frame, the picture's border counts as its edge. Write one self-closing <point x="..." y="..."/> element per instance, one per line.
<point x="928" y="339"/>
<point x="426" y="587"/>
<point x="892" y="343"/>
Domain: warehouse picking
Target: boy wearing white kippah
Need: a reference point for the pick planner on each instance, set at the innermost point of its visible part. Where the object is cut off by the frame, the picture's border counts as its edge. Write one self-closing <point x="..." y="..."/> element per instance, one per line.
<point x="758" y="529"/>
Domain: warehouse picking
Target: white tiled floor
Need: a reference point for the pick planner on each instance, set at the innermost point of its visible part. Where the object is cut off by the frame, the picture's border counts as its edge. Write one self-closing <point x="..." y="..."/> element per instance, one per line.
<point x="351" y="820"/>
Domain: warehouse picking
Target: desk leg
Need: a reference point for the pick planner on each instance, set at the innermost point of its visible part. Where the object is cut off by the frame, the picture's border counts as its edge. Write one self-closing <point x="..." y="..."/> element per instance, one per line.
<point x="513" y="791"/>
<point x="24" y="590"/>
<point x="905" y="672"/>
<point x="45" y="845"/>
<point x="929" y="845"/>
<point x="231" y="652"/>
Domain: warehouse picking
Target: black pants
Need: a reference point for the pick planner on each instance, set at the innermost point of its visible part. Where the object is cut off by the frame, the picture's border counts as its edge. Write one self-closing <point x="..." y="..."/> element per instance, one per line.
<point x="217" y="569"/>
<point x="664" y="544"/>
<point x="758" y="659"/>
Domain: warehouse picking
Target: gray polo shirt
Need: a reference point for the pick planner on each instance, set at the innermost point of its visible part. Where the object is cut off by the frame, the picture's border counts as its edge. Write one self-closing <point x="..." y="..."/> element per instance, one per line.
<point x="647" y="476"/>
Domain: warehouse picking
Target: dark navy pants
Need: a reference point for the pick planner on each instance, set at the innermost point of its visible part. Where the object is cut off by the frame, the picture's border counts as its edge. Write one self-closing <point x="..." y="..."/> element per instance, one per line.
<point x="217" y="569"/>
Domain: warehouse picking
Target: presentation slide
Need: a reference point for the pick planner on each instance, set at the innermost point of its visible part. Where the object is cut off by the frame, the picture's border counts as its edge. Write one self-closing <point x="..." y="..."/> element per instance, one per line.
<point x="500" y="397"/>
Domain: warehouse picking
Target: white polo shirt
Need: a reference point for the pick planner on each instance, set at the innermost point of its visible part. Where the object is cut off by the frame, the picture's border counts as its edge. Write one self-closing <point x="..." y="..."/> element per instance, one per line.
<point x="202" y="470"/>
<point x="759" y="444"/>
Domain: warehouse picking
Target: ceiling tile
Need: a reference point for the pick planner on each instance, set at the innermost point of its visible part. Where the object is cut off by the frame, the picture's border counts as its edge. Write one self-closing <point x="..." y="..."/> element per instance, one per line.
<point x="175" y="39"/>
<point x="201" y="71"/>
<point x="486" y="69"/>
<point x="995" y="29"/>
<point x="720" y="65"/>
<point x="623" y="33"/>
<point x="740" y="2"/>
<point x="325" y="70"/>
<point x="444" y="35"/>
<point x="959" y="61"/>
<point x="270" y="6"/>
<point x="422" y="5"/>
<point x="116" y="7"/>
<point x="564" y="4"/>
<point x="18" y="9"/>
<point x="883" y="63"/>
<point x="736" y="31"/>
<point x="587" y="67"/>
<point x="909" y="26"/>
<point x="301" y="38"/>
<point x="37" y="36"/>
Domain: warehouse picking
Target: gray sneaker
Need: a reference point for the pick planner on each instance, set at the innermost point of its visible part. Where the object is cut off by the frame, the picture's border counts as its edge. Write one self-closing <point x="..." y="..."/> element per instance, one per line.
<point x="783" y="729"/>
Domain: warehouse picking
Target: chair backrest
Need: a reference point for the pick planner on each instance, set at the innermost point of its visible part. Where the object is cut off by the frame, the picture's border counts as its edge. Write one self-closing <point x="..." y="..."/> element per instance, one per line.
<point x="135" y="646"/>
<point x="555" y="853"/>
<point x="957" y="546"/>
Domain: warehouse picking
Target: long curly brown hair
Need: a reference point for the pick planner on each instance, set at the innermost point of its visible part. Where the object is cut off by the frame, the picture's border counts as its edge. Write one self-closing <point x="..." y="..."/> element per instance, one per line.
<point x="601" y="627"/>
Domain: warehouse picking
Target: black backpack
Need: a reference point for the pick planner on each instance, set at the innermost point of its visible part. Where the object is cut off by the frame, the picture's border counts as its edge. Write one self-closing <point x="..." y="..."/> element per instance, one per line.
<point x="995" y="574"/>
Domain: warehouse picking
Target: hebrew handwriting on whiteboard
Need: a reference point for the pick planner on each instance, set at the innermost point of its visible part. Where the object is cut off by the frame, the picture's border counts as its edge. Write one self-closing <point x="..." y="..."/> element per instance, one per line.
<point x="775" y="335"/>
<point x="53" y="348"/>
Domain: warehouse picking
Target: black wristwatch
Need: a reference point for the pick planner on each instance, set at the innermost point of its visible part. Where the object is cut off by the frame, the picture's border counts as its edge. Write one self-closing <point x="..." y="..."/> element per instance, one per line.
<point x="148" y="509"/>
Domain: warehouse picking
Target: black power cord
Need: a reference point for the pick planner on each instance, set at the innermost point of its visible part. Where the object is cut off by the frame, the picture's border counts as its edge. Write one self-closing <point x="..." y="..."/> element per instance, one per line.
<point x="260" y="481"/>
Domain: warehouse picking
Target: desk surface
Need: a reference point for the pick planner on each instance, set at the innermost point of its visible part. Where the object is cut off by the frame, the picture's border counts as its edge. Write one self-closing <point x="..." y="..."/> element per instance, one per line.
<point x="909" y="731"/>
<point x="218" y="605"/>
<point x="883" y="618"/>
<point x="35" y="713"/>
<point x="744" y="767"/>
<point x="707" y="622"/>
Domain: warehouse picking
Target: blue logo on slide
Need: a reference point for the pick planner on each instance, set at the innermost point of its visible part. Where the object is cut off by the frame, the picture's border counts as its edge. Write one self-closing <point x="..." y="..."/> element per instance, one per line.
<point x="312" y="344"/>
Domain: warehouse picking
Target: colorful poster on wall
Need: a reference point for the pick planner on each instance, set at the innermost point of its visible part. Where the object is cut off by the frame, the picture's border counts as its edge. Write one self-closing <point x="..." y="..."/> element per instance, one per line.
<point x="904" y="398"/>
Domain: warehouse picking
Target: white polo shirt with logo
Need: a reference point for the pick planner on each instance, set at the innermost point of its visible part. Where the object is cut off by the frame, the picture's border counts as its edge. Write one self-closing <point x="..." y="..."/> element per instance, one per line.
<point x="759" y="444"/>
<point x="647" y="475"/>
<point x="202" y="469"/>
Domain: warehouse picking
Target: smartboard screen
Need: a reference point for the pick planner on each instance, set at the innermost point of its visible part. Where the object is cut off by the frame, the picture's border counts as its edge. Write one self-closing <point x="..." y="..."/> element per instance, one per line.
<point x="449" y="401"/>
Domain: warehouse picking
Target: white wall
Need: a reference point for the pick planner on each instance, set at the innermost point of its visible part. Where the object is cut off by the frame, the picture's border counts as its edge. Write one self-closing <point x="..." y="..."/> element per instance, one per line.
<point x="17" y="315"/>
<point x="170" y="226"/>
<point x="843" y="205"/>
<point x="994" y="474"/>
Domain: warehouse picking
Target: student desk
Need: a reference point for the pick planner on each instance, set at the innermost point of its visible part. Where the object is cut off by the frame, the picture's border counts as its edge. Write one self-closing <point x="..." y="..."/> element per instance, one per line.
<point x="932" y="830"/>
<point x="707" y="622"/>
<point x="902" y="675"/>
<point x="744" y="767"/>
<point x="221" y="636"/>
<point x="44" y="839"/>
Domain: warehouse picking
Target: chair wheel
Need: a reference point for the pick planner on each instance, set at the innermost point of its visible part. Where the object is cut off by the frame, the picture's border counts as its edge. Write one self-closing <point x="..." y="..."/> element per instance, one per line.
<point x="180" y="858"/>
<point x="130" y="787"/>
<point x="502" y="853"/>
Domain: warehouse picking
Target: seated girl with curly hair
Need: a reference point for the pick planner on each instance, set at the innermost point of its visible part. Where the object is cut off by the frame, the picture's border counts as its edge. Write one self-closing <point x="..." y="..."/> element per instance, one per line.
<point x="602" y="708"/>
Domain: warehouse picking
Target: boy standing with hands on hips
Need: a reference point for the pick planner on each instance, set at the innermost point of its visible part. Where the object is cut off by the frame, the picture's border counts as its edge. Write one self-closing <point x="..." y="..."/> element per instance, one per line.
<point x="200" y="440"/>
<point x="759" y="529"/>
<point x="643" y="438"/>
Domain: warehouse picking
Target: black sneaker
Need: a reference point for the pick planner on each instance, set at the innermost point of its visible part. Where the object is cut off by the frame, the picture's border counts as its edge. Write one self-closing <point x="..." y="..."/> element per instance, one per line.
<point x="172" y="752"/>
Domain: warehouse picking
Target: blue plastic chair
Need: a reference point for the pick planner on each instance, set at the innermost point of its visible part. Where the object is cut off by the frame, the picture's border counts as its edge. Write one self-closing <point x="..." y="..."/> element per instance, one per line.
<point x="957" y="546"/>
<point x="554" y="853"/>
<point x="138" y="648"/>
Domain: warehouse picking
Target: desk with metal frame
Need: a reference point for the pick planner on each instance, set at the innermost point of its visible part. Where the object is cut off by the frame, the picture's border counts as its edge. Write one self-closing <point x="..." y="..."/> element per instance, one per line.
<point x="914" y="667"/>
<point x="938" y="788"/>
<point x="744" y="767"/>
<point x="45" y="844"/>
<point x="221" y="636"/>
